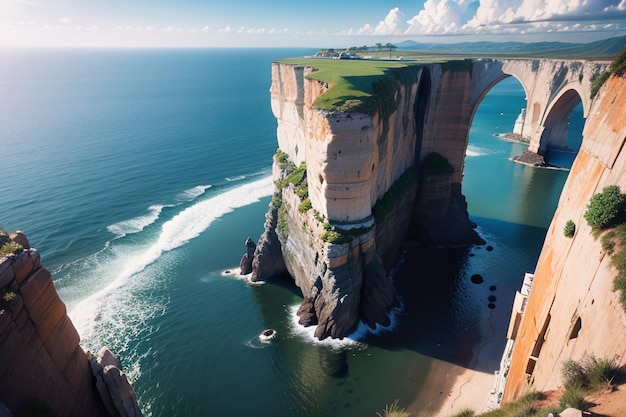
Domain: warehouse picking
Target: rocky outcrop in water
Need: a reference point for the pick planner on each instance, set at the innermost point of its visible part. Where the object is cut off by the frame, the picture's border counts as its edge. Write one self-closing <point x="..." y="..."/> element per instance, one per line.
<point x="245" y="266"/>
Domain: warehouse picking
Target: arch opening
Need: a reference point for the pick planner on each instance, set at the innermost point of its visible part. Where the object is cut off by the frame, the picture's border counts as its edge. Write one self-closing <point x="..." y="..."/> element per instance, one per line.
<point x="494" y="186"/>
<point x="562" y="135"/>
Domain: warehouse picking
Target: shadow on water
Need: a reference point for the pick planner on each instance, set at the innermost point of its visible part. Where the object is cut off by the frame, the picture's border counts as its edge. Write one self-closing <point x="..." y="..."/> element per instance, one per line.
<point x="434" y="320"/>
<point x="447" y="316"/>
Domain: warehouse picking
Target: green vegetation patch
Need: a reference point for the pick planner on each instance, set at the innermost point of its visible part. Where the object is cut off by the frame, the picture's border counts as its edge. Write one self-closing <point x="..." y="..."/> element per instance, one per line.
<point x="618" y="66"/>
<point x="588" y="375"/>
<point x="394" y="410"/>
<point x="605" y="208"/>
<point x="398" y="190"/>
<point x="339" y="236"/>
<point x="7" y="299"/>
<point x="8" y="246"/>
<point x="525" y="406"/>
<point x="283" y="222"/>
<point x="569" y="229"/>
<point x="598" y="82"/>
<point x="283" y="161"/>
<point x="437" y="164"/>
<point x="358" y="85"/>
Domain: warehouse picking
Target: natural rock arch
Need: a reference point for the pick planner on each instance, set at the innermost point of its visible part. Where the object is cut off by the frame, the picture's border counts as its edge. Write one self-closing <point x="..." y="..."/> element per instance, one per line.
<point x="556" y="121"/>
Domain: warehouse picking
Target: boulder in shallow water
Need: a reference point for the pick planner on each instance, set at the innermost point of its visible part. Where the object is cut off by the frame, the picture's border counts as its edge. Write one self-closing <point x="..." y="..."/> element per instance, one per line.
<point x="477" y="279"/>
<point x="306" y="313"/>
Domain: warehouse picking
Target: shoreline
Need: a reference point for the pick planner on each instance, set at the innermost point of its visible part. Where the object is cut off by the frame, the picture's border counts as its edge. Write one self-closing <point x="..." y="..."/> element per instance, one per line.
<point x="452" y="388"/>
<point x="511" y="137"/>
<point x="554" y="168"/>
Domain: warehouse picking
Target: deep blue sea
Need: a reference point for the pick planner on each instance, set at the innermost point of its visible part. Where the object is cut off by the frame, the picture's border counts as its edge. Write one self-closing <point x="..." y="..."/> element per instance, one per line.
<point x="139" y="174"/>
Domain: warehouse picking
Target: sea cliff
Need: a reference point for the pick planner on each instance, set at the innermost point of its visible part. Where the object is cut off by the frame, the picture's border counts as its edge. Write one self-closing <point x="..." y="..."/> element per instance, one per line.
<point x="346" y="186"/>
<point x="573" y="310"/>
<point x="43" y="369"/>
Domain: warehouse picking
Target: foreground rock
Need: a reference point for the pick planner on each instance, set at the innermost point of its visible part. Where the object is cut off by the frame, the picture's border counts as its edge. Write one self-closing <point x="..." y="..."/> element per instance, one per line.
<point x="42" y="365"/>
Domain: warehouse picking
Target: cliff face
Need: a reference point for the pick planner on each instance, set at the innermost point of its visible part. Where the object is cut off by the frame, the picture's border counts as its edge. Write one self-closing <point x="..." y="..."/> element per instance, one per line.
<point x="352" y="158"/>
<point x="572" y="309"/>
<point x="42" y="365"/>
<point x="338" y="228"/>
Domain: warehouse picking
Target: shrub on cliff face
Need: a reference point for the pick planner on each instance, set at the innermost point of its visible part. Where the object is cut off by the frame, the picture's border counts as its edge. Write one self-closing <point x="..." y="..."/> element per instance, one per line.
<point x="305" y="205"/>
<point x="385" y="205"/>
<point x="589" y="374"/>
<point x="6" y="300"/>
<point x="598" y="82"/>
<point x="618" y="66"/>
<point x="283" y="222"/>
<point x="283" y="160"/>
<point x="7" y="246"/>
<point x="569" y="229"/>
<point x="605" y="208"/>
<point x="614" y="243"/>
<point x="436" y="164"/>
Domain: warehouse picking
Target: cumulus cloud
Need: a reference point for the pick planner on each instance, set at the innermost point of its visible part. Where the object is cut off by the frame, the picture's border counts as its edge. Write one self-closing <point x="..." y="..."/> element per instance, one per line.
<point x="506" y="16"/>
<point x="441" y="16"/>
<point x="394" y="23"/>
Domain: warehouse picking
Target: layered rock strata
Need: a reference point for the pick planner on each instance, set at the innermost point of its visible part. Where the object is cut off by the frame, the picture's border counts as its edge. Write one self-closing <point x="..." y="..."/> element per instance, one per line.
<point x="337" y="226"/>
<point x="573" y="310"/>
<point x="42" y="364"/>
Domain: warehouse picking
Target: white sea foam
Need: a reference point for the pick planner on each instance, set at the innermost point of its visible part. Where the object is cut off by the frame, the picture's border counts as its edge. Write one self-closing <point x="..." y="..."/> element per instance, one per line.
<point x="237" y="178"/>
<point x="137" y="224"/>
<point x="186" y="225"/>
<point x="476" y="151"/>
<point x="351" y="341"/>
<point x="193" y="193"/>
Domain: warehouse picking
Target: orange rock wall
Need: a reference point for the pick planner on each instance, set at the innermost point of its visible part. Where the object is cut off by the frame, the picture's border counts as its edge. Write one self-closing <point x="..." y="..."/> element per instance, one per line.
<point x="40" y="358"/>
<point x="574" y="277"/>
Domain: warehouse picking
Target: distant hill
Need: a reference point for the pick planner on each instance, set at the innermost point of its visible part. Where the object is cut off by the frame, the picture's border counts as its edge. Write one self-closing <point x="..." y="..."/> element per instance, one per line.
<point x="606" y="48"/>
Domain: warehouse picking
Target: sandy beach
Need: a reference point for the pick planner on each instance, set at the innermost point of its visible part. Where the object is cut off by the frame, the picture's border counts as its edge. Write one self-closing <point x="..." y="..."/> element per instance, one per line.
<point x="451" y="388"/>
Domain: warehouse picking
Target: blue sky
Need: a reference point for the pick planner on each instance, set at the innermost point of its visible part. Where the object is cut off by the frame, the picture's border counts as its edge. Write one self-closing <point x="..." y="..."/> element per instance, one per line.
<point x="321" y="23"/>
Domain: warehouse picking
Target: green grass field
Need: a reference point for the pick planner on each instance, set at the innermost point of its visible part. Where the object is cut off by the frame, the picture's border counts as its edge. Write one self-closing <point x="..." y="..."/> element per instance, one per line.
<point x="354" y="83"/>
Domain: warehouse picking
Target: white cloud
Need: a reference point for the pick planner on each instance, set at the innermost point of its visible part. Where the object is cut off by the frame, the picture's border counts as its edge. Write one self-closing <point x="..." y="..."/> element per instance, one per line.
<point x="224" y="30"/>
<point x="168" y="29"/>
<point x="394" y="23"/>
<point x="365" y="30"/>
<point x="497" y="16"/>
<point x="441" y="16"/>
<point x="64" y="20"/>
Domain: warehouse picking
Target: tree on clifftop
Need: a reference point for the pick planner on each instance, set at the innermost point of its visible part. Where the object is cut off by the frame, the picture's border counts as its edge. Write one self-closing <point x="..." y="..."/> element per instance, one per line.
<point x="390" y="47"/>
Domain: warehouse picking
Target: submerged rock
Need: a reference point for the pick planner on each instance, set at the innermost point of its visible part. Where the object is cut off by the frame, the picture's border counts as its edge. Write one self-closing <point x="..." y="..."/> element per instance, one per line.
<point x="477" y="279"/>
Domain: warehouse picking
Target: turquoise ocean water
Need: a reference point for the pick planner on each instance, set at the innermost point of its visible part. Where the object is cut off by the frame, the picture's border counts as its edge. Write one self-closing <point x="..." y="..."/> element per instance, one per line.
<point x="138" y="175"/>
